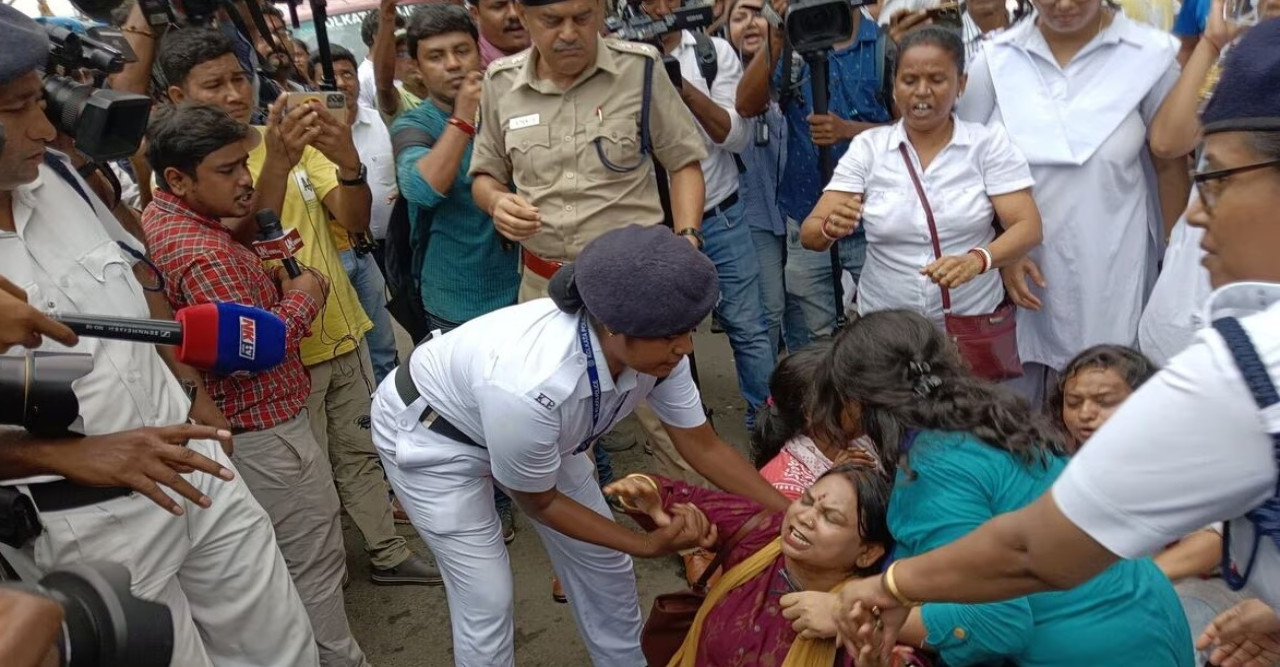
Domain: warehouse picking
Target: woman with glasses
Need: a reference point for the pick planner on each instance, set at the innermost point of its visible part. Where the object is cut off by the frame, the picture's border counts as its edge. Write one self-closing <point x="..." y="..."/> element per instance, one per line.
<point x="1076" y="86"/>
<point x="1197" y="443"/>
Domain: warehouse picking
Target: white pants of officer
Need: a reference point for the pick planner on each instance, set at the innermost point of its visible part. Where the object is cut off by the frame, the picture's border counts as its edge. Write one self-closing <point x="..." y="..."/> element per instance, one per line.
<point x="217" y="569"/>
<point x="447" y="489"/>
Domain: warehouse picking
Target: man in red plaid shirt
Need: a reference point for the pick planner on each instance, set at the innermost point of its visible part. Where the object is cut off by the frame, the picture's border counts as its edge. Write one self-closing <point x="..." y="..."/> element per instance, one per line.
<point x="200" y="157"/>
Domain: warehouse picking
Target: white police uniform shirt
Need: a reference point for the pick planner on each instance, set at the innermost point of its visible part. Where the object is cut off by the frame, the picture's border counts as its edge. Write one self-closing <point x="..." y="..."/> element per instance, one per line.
<point x="1190" y="447"/>
<point x="719" y="169"/>
<point x="1174" y="311"/>
<point x="978" y="163"/>
<point x="515" y="381"/>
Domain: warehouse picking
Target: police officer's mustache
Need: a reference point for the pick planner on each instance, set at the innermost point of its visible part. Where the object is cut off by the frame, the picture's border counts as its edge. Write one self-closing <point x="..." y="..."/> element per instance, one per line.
<point x="513" y="25"/>
<point x="563" y="47"/>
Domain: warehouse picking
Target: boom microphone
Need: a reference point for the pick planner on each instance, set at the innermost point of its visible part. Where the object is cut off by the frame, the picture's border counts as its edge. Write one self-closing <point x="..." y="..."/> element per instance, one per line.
<point x="274" y="243"/>
<point x="223" y="338"/>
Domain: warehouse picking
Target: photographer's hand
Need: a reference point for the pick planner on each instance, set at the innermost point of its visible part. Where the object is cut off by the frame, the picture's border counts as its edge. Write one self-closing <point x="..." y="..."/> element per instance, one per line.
<point x="142" y="459"/>
<point x="29" y="626"/>
<point x="21" y="324"/>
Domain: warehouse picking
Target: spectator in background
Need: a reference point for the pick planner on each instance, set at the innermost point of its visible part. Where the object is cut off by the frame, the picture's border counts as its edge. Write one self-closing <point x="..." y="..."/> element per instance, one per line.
<point x="199" y="156"/>
<point x="926" y="190"/>
<point x="466" y="271"/>
<point x="1102" y="209"/>
<point x="763" y="161"/>
<point x="501" y="33"/>
<point x="860" y="89"/>
<point x="979" y="19"/>
<point x="373" y="143"/>
<point x="302" y="60"/>
<point x="368" y="32"/>
<point x="295" y="175"/>
<point x="396" y="77"/>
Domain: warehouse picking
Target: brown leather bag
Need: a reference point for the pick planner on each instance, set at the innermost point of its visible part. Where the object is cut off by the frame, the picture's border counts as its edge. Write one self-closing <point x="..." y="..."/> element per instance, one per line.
<point x="672" y="613"/>
<point x="988" y="342"/>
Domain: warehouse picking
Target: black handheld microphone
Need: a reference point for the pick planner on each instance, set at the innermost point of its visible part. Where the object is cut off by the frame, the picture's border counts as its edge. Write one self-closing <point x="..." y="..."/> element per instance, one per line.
<point x="272" y="242"/>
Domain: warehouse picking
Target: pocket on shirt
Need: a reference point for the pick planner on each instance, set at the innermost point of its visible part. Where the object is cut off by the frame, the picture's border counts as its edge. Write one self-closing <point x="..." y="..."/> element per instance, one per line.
<point x="112" y="273"/>
<point x="618" y="143"/>
<point x="530" y="151"/>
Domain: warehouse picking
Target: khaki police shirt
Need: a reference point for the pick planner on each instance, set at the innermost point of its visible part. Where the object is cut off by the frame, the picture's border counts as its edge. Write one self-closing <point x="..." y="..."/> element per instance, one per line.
<point x="544" y="140"/>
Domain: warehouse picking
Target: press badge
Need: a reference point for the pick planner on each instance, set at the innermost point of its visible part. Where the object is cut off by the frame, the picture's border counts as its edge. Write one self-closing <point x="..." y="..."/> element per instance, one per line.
<point x="304" y="185"/>
<point x="524" y="121"/>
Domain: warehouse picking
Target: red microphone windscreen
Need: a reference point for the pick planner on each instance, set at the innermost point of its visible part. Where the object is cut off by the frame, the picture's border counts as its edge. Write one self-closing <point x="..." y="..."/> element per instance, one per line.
<point x="199" y="347"/>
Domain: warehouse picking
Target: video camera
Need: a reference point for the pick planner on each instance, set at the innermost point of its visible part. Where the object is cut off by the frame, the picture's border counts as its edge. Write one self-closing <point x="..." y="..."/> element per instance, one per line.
<point x="814" y="26"/>
<point x="633" y="25"/>
<point x="106" y="124"/>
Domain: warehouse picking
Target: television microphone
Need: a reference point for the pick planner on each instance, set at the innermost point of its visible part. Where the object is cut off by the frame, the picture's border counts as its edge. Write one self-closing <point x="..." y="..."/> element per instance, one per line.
<point x="224" y="338"/>
<point x="274" y="244"/>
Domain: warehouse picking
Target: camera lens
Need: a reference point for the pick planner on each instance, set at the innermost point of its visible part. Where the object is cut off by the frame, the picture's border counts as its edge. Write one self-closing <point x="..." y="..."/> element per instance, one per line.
<point x="106" y="124"/>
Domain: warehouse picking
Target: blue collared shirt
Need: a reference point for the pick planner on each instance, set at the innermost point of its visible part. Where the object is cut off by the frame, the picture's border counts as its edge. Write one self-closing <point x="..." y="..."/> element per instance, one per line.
<point x="854" y="95"/>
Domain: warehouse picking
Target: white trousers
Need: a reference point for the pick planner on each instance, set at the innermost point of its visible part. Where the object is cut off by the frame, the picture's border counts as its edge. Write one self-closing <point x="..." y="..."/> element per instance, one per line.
<point x="447" y="489"/>
<point x="217" y="569"/>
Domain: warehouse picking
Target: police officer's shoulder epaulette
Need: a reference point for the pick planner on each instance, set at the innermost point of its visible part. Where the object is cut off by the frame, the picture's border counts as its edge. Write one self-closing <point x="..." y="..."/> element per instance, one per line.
<point x="506" y="63"/>
<point x="633" y="48"/>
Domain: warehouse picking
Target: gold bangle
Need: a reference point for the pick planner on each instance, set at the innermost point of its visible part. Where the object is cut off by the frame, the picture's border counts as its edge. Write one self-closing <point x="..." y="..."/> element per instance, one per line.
<point x="892" y="586"/>
<point x="652" y="482"/>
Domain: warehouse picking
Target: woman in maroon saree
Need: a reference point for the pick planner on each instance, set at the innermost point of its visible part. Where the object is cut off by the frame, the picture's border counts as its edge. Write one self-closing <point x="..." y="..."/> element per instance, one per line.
<point x="834" y="531"/>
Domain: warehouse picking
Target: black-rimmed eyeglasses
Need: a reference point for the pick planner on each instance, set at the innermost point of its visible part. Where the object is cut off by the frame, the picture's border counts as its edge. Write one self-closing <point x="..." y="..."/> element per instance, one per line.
<point x="1209" y="184"/>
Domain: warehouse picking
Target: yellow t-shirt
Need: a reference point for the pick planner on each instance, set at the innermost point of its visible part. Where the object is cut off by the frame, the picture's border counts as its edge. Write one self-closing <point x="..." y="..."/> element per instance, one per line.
<point x="342" y="323"/>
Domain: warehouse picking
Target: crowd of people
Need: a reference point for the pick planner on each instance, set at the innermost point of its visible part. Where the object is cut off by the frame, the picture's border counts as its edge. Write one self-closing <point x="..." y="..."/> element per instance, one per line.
<point x="949" y="298"/>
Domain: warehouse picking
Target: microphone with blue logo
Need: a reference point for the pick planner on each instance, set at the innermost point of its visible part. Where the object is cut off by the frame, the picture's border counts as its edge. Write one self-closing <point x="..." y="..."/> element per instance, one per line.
<point x="222" y="338"/>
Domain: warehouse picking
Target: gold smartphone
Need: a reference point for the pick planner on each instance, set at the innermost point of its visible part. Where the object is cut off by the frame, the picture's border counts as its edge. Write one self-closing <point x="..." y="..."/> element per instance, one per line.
<point x="332" y="101"/>
<point x="947" y="14"/>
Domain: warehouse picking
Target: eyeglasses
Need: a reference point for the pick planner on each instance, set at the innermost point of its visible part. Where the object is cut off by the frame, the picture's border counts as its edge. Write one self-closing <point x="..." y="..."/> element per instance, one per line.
<point x="1210" y="184"/>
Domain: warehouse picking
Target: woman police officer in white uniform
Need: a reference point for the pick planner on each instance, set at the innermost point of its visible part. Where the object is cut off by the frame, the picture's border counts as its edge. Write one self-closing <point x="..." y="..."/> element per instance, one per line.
<point x="1199" y="442"/>
<point x="518" y="397"/>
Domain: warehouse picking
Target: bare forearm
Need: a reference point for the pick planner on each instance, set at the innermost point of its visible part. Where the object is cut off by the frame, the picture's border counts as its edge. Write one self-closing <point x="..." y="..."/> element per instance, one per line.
<point x="723" y="466"/>
<point x="144" y="40"/>
<point x="577" y="521"/>
<point x="715" y="120"/>
<point x="1018" y="239"/>
<point x="811" y="236"/>
<point x="383" y="56"/>
<point x="352" y="206"/>
<point x="1175" y="130"/>
<point x="688" y="196"/>
<point x="1195" y="555"/>
<point x="439" y="167"/>
<point x="1173" y="178"/>
<point x="24" y="455"/>
<point x="753" y="90"/>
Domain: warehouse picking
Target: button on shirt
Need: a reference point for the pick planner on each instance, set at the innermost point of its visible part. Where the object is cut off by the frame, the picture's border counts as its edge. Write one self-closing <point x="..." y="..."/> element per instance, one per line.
<point x="66" y="257"/>
<point x="719" y="169"/>
<point x="1190" y="447"/>
<point x="977" y="164"/>
<point x="515" y="381"/>
<point x="855" y="95"/>
<point x="373" y="143"/>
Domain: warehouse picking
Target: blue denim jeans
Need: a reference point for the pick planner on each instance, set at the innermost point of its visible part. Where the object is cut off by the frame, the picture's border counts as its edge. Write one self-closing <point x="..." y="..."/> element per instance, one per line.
<point x="808" y="279"/>
<point x="729" y="246"/>
<point x="782" y="314"/>
<point x="371" y="288"/>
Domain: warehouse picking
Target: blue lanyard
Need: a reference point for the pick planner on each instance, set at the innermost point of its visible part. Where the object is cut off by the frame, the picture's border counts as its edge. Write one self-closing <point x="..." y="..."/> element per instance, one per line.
<point x="593" y="377"/>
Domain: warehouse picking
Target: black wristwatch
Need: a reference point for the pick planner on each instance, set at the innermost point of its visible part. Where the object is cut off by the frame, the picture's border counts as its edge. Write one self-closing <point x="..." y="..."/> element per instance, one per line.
<point x="360" y="179"/>
<point x="695" y="233"/>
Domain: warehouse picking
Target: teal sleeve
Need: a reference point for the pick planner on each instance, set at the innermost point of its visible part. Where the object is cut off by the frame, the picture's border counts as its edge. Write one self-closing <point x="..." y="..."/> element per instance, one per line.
<point x="413" y="186"/>
<point x="959" y="483"/>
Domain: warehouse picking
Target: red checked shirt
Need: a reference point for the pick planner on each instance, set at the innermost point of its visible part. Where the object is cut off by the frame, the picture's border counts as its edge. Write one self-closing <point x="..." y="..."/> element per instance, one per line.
<point x="201" y="263"/>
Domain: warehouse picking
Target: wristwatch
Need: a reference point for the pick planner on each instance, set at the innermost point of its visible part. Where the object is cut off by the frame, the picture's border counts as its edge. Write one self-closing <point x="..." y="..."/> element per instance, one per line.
<point x="360" y="179"/>
<point x="695" y="233"/>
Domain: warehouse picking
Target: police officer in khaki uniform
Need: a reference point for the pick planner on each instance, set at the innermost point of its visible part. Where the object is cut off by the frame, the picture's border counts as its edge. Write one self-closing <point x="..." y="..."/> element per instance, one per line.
<point x="558" y="161"/>
<point x="561" y="122"/>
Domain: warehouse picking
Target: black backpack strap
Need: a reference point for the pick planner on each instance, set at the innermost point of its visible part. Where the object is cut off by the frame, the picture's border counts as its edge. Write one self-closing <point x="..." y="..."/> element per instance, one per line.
<point x="708" y="64"/>
<point x="1266" y="517"/>
<point x="409" y="137"/>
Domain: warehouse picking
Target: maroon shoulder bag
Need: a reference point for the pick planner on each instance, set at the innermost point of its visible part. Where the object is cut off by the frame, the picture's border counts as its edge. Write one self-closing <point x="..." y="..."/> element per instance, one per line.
<point x="988" y="342"/>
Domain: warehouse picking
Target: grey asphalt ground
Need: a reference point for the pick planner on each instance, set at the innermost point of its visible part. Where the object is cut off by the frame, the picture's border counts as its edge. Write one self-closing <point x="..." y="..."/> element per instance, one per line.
<point x="409" y="625"/>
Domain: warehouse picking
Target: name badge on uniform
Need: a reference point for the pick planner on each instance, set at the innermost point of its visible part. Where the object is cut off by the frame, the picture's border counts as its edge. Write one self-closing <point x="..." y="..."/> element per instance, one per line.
<point x="524" y="121"/>
<point x="304" y="185"/>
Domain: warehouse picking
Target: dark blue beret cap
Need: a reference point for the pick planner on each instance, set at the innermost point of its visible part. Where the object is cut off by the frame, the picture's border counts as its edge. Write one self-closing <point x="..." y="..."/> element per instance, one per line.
<point x="25" y="44"/>
<point x="639" y="281"/>
<point x="1247" y="98"/>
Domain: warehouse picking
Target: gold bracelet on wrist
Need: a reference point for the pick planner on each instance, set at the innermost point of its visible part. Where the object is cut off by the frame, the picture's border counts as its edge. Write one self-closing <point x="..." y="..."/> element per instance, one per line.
<point x="891" y="585"/>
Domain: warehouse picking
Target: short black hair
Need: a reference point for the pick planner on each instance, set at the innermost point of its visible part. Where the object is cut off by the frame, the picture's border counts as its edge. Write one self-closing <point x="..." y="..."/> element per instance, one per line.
<point x="943" y="38"/>
<point x="183" y="135"/>
<point x="297" y="41"/>
<point x="336" y="52"/>
<point x="1131" y="365"/>
<point x="427" y="21"/>
<point x="183" y="50"/>
<point x="369" y="27"/>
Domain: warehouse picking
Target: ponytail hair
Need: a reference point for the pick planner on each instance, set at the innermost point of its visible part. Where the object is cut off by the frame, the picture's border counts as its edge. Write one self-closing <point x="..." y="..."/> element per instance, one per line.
<point x="786" y="414"/>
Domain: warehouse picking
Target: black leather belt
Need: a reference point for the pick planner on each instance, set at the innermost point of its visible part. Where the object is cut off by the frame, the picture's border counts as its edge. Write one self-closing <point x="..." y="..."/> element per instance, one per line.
<point x="434" y="421"/>
<point x="65" y="495"/>
<point x="722" y="206"/>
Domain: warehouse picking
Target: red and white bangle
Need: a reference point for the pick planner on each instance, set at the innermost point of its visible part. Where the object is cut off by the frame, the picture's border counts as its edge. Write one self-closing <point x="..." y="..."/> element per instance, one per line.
<point x="463" y="125"/>
<point x="823" y="228"/>
<point x="985" y="256"/>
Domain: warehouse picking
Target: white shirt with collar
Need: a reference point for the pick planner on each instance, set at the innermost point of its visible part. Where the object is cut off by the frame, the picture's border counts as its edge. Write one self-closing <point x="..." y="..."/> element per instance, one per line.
<point x="1189" y="448"/>
<point x="719" y="169"/>
<point x="515" y="381"/>
<point x="368" y="84"/>
<point x="65" y="255"/>
<point x="977" y="164"/>
<point x="373" y="143"/>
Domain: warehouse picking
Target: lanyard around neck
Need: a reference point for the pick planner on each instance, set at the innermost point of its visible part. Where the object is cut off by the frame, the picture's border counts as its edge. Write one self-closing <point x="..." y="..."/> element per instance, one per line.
<point x="593" y="377"/>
